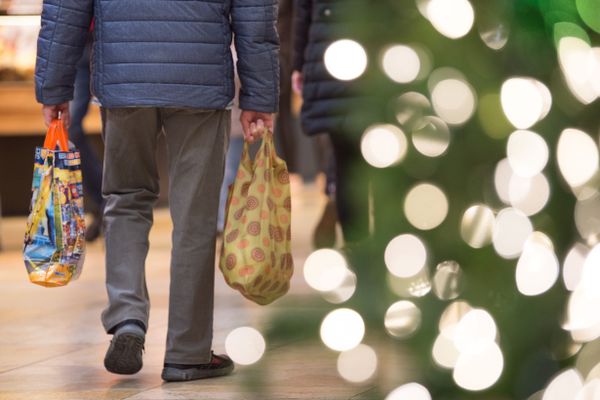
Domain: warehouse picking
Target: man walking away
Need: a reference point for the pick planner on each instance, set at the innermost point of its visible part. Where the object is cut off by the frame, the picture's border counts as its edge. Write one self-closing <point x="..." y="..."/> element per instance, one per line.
<point x="163" y="67"/>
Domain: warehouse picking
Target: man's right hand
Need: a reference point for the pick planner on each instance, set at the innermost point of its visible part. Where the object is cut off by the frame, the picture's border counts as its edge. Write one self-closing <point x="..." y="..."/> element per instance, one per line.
<point x="254" y="123"/>
<point x="297" y="82"/>
<point x="50" y="113"/>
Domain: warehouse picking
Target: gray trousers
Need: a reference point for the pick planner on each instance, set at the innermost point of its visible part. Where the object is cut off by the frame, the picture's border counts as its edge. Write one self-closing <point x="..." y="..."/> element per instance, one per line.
<point x="196" y="145"/>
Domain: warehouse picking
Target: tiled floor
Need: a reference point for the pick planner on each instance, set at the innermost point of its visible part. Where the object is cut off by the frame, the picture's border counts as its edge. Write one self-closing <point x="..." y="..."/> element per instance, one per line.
<point x="52" y="343"/>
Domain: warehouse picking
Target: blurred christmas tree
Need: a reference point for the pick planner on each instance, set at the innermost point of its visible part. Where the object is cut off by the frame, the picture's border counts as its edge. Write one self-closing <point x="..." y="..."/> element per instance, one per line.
<point x="484" y="174"/>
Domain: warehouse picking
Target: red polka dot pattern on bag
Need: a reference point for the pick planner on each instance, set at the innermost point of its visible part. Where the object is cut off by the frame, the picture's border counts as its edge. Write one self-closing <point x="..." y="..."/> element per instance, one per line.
<point x="252" y="203"/>
<point x="254" y="228"/>
<point x="258" y="254"/>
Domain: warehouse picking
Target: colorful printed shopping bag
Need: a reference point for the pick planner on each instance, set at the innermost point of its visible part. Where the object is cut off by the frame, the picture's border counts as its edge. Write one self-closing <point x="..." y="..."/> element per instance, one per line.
<point x="54" y="240"/>
<point x="256" y="255"/>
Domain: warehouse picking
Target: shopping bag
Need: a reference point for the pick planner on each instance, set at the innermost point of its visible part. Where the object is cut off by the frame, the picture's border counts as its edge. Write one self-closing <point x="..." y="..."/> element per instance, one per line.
<point x="256" y="256"/>
<point x="54" y="246"/>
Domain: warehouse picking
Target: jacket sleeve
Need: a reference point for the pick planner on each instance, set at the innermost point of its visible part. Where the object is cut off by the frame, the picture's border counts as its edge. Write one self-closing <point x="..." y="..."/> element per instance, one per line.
<point x="254" y="24"/>
<point x="63" y="34"/>
<point x="302" y="21"/>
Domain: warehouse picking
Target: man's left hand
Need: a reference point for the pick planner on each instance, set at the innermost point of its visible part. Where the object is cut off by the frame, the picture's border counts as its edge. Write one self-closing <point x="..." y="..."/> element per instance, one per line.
<point x="50" y="113"/>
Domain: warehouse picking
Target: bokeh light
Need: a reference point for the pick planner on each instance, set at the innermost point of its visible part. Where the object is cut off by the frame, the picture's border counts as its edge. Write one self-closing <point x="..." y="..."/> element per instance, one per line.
<point x="415" y="286"/>
<point x="453" y="100"/>
<point x="511" y="231"/>
<point x="475" y="331"/>
<point x="445" y="354"/>
<point x="477" y="226"/>
<point x="358" y="364"/>
<point x="529" y="195"/>
<point x="564" y="386"/>
<point x="479" y="371"/>
<point x="538" y="266"/>
<point x="452" y="18"/>
<point x="409" y="391"/>
<point x="345" y="59"/>
<point x="402" y="319"/>
<point x="401" y="63"/>
<point x="405" y="256"/>
<point x="325" y="270"/>
<point x="495" y="37"/>
<point x="383" y="145"/>
<point x="343" y="292"/>
<point x="527" y="153"/>
<point x="587" y="217"/>
<point x="577" y="60"/>
<point x="577" y="156"/>
<point x="431" y="136"/>
<point x="342" y="329"/>
<point x="525" y="101"/>
<point x="410" y="108"/>
<point x="426" y="206"/>
<point x="447" y="281"/>
<point x="588" y="10"/>
<point x="245" y="345"/>
<point x="502" y="178"/>
<point x="573" y="265"/>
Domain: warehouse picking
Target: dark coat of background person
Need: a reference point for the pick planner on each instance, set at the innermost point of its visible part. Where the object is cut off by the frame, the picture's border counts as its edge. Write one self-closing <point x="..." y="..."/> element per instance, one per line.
<point x="190" y="64"/>
<point x="330" y="105"/>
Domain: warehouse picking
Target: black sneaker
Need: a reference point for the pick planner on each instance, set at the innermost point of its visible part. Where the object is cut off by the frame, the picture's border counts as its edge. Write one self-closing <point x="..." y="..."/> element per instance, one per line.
<point x="124" y="355"/>
<point x="219" y="365"/>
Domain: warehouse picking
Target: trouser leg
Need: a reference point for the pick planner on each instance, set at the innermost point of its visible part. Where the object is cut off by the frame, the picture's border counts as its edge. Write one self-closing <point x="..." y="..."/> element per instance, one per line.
<point x="130" y="188"/>
<point x="196" y="142"/>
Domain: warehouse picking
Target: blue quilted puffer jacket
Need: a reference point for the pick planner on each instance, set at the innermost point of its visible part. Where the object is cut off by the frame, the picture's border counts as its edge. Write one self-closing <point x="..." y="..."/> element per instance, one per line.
<point x="161" y="53"/>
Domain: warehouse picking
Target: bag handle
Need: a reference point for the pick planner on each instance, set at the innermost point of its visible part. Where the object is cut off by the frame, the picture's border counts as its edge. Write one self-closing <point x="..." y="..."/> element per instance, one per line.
<point x="56" y="134"/>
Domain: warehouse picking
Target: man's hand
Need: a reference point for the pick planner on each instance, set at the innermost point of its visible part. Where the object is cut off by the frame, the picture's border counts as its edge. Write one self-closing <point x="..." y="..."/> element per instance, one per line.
<point x="254" y="124"/>
<point x="297" y="82"/>
<point x="51" y="112"/>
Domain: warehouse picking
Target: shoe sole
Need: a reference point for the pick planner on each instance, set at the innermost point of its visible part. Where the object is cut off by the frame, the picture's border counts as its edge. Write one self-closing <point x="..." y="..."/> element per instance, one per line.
<point x="124" y="354"/>
<point x="180" y="375"/>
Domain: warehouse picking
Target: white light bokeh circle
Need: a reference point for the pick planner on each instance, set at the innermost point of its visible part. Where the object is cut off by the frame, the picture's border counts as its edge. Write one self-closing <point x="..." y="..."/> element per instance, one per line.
<point x="453" y="100"/>
<point x="405" y="256"/>
<point x="345" y="59"/>
<point x="475" y="331"/>
<point x="325" y="270"/>
<point x="583" y="318"/>
<point x="587" y="217"/>
<point x="452" y="18"/>
<point x="342" y="329"/>
<point x="358" y="364"/>
<point x="383" y="145"/>
<point x="409" y="391"/>
<point x="511" y="231"/>
<point x="401" y="63"/>
<point x="525" y="101"/>
<point x="529" y="195"/>
<point x="445" y="354"/>
<point x="245" y="345"/>
<point x="538" y="267"/>
<point x="527" y="153"/>
<point x="426" y="206"/>
<point x="415" y="286"/>
<point x="410" y="108"/>
<point x="431" y="136"/>
<point x="477" y="226"/>
<point x="343" y="292"/>
<point x="502" y="178"/>
<point x="402" y="319"/>
<point x="590" y="274"/>
<point x="577" y="61"/>
<point x="479" y="371"/>
<point x="573" y="265"/>
<point x="447" y="281"/>
<point x="564" y="386"/>
<point x="577" y="156"/>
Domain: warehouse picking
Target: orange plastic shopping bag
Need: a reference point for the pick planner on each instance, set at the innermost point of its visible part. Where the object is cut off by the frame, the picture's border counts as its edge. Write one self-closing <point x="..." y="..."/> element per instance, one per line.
<point x="55" y="237"/>
<point x="256" y="255"/>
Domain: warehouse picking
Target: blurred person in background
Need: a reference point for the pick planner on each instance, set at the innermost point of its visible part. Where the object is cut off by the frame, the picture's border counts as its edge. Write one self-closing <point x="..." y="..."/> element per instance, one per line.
<point x="329" y="106"/>
<point x="155" y="74"/>
<point x="90" y="163"/>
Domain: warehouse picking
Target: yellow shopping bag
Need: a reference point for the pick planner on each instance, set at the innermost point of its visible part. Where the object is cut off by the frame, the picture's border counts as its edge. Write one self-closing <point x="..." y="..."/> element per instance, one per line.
<point x="256" y="255"/>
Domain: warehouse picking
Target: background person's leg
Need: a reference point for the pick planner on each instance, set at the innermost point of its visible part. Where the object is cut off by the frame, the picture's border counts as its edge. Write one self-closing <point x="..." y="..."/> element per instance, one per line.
<point x="196" y="145"/>
<point x="130" y="187"/>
